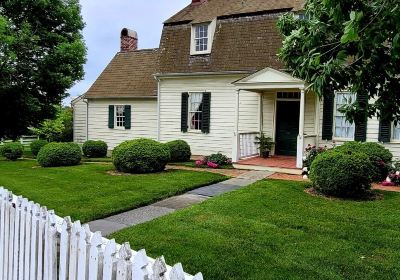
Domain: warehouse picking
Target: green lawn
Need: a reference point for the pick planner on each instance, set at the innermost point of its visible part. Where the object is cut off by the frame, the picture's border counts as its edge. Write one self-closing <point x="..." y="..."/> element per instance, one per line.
<point x="274" y="230"/>
<point x="87" y="192"/>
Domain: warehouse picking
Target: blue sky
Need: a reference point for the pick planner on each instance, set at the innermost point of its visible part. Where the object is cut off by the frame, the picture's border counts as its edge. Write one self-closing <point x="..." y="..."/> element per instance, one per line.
<point x="104" y="22"/>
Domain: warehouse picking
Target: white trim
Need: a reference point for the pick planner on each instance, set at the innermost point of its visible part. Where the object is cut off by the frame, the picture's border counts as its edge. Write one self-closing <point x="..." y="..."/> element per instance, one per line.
<point x="210" y="35"/>
<point x="236" y="135"/>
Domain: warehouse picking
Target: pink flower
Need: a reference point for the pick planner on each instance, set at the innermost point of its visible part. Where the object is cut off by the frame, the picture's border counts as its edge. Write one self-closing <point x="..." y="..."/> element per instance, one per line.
<point x="212" y="165"/>
<point x="199" y="163"/>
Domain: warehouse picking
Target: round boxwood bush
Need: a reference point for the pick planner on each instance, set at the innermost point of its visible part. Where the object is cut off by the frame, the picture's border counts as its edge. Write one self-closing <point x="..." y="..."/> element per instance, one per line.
<point x="95" y="149"/>
<point x="180" y="151"/>
<point x="37" y="145"/>
<point x="12" y="151"/>
<point x="378" y="155"/>
<point x="59" y="154"/>
<point x="141" y="156"/>
<point x="342" y="174"/>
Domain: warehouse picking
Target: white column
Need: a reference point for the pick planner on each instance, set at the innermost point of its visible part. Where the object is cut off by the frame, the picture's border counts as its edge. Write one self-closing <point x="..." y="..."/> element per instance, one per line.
<point x="236" y="136"/>
<point x="300" y="138"/>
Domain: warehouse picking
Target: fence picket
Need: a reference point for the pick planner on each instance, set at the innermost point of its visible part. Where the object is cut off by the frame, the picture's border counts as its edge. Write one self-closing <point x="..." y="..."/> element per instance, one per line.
<point x="42" y="225"/>
<point x="124" y="264"/>
<point x="64" y="248"/>
<point x="159" y="269"/>
<point x="17" y="223"/>
<point x="34" y="241"/>
<point x="28" y="227"/>
<point x="109" y="260"/>
<point x="139" y="266"/>
<point x="83" y="248"/>
<point x="73" y="255"/>
<point x="30" y="234"/>
<point x="3" y="203"/>
<point x="11" y="243"/>
<point x="95" y="257"/>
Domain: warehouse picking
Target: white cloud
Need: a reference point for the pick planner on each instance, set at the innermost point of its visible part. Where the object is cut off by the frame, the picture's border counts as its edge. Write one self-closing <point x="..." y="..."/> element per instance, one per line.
<point x="104" y="22"/>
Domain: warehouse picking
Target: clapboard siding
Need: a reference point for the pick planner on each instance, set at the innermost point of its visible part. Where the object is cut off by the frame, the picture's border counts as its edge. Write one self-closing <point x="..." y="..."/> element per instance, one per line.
<point x="80" y="118"/>
<point x="372" y="135"/>
<point x="223" y="105"/>
<point x="143" y="121"/>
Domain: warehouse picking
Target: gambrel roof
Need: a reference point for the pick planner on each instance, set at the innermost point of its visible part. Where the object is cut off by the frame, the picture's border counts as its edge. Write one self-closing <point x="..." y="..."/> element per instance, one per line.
<point x="211" y="9"/>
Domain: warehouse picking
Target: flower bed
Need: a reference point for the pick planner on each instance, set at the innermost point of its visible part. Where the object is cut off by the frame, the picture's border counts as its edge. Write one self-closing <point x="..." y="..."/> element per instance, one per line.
<point x="214" y="161"/>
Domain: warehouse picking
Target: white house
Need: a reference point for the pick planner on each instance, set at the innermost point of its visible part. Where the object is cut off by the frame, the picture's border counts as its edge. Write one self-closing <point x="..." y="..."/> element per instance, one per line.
<point x="216" y="82"/>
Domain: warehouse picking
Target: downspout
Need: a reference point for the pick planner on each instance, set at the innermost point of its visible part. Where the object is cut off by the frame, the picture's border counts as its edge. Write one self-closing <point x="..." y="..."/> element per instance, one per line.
<point x="158" y="109"/>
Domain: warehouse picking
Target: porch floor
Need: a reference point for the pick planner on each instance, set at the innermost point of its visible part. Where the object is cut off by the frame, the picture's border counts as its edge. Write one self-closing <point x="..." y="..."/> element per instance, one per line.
<point x="274" y="161"/>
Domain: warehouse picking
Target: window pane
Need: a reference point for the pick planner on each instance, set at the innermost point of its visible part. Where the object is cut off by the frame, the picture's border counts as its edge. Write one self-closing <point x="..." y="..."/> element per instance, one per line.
<point x="120" y="116"/>
<point x="396" y="132"/>
<point x="343" y="128"/>
<point x="195" y="110"/>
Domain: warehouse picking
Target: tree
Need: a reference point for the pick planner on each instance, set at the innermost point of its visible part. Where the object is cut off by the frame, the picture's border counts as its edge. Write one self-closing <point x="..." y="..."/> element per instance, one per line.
<point x="348" y="45"/>
<point x="41" y="56"/>
<point x="58" y="129"/>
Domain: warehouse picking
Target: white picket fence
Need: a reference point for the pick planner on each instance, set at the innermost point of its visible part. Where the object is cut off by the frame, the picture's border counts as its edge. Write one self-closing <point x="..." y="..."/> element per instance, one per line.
<point x="35" y="244"/>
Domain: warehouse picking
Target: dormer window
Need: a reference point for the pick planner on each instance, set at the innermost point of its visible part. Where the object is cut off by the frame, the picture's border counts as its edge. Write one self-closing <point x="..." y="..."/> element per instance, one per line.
<point x="202" y="38"/>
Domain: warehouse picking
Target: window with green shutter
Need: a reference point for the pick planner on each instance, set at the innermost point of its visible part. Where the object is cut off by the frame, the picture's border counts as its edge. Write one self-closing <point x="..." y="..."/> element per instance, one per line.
<point x="184" y="111"/>
<point x="119" y="116"/>
<point x="327" y="121"/>
<point x="385" y="131"/>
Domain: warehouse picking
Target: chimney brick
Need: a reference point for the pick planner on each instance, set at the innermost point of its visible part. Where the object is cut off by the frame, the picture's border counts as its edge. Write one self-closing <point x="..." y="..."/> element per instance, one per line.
<point x="129" y="40"/>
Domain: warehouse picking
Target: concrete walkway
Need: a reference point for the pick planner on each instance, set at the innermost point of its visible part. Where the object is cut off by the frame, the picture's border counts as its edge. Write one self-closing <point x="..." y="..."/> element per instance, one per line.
<point x="169" y="205"/>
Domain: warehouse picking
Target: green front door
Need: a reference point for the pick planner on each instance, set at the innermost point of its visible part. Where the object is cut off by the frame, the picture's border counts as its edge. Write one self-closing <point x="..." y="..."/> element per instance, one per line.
<point x="287" y="127"/>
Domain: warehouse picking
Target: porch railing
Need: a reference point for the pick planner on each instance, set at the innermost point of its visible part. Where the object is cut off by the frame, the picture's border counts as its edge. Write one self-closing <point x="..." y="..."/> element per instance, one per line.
<point x="248" y="147"/>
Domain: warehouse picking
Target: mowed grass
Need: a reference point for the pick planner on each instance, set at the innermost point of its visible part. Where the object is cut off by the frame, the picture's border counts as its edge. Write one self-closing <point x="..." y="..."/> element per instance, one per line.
<point x="274" y="230"/>
<point x="88" y="192"/>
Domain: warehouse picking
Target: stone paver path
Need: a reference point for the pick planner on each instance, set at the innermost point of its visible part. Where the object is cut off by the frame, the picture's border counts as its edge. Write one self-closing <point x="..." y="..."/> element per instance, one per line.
<point x="169" y="205"/>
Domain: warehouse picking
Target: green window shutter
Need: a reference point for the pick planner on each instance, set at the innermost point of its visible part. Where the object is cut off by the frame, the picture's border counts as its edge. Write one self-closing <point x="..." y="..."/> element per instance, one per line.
<point x="205" y="123"/>
<point x="360" y="133"/>
<point x="184" y="112"/>
<point x="385" y="131"/>
<point x="111" y="116"/>
<point x="327" y="121"/>
<point x="128" y="113"/>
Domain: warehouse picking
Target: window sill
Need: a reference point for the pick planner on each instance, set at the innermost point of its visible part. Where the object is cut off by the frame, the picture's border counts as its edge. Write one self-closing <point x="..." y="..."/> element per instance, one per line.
<point x="343" y="139"/>
<point x="200" y="53"/>
<point x="195" y="132"/>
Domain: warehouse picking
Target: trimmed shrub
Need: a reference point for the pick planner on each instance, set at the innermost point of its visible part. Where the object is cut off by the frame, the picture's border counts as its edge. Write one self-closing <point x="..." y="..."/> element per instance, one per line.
<point x="378" y="155"/>
<point x="180" y="151"/>
<point x="219" y="159"/>
<point x="37" y="145"/>
<point x="141" y="156"/>
<point x="341" y="174"/>
<point x="95" y="149"/>
<point x="59" y="154"/>
<point x="12" y="151"/>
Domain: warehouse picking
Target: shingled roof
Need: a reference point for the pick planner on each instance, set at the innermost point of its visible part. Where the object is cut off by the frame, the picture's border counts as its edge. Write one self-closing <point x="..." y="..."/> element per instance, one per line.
<point x="129" y="74"/>
<point x="211" y="9"/>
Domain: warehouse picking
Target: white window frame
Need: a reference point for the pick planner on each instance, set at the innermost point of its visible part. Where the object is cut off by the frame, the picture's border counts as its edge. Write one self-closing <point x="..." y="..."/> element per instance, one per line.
<point x="335" y="112"/>
<point x="190" y="111"/>
<point x="210" y="37"/>
<point x="116" y="121"/>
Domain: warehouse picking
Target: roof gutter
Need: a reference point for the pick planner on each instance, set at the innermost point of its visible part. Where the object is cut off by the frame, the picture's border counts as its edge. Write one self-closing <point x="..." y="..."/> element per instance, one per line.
<point x="224" y="73"/>
<point x="121" y="97"/>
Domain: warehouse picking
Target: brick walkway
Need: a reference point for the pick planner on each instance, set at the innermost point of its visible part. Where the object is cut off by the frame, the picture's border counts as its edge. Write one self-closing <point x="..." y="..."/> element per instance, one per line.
<point x="274" y="161"/>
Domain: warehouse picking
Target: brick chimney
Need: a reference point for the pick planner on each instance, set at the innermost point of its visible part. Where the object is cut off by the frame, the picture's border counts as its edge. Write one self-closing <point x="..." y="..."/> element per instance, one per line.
<point x="129" y="40"/>
<point x="198" y="2"/>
